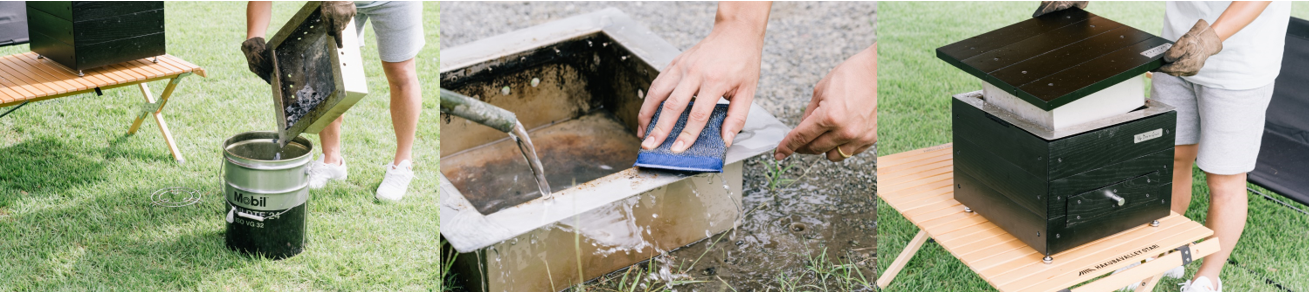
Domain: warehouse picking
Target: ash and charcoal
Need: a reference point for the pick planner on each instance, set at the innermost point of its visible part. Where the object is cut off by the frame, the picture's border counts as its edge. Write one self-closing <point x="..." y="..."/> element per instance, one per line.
<point x="304" y="101"/>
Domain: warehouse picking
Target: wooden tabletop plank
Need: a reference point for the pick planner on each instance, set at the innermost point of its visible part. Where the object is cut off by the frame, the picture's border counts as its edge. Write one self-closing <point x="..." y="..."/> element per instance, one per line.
<point x="171" y="67"/>
<point x="24" y="83"/>
<point x="57" y="73"/>
<point x="187" y="65"/>
<point x="122" y="73"/>
<point x="18" y="73"/>
<point x="145" y="68"/>
<point x="60" y="84"/>
<point x="7" y="94"/>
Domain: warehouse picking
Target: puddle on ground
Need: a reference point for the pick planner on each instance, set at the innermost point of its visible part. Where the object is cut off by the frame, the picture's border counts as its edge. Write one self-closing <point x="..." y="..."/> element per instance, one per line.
<point x="782" y="231"/>
<point x="495" y="176"/>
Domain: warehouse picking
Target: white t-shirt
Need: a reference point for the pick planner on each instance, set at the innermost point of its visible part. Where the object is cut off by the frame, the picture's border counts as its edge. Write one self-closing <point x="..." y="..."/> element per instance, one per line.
<point x="1251" y="58"/>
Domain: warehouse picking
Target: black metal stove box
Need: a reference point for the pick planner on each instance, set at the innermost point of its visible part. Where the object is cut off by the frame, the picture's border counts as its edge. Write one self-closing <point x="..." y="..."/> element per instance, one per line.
<point x="1057" y="189"/>
<point x="88" y="34"/>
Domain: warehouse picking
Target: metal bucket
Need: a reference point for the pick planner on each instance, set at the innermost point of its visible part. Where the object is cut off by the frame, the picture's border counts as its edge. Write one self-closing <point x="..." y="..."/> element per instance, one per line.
<point x="266" y="193"/>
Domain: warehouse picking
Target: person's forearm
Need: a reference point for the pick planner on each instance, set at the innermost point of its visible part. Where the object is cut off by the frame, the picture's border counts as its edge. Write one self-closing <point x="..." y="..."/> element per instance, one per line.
<point x="749" y="17"/>
<point x="1237" y="16"/>
<point x="257" y="16"/>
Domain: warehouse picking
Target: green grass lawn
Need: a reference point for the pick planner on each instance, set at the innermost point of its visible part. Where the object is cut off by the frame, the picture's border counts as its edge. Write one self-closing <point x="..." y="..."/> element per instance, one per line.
<point x="915" y="89"/>
<point x="75" y="210"/>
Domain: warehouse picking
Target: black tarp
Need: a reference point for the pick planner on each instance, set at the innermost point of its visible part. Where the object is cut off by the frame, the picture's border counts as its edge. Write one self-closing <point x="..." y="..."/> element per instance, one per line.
<point x="13" y="23"/>
<point x="1284" y="156"/>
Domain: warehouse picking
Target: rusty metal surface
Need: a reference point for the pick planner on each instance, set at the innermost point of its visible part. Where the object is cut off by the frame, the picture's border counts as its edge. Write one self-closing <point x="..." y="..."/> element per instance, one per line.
<point x="495" y="176"/>
<point x="315" y="82"/>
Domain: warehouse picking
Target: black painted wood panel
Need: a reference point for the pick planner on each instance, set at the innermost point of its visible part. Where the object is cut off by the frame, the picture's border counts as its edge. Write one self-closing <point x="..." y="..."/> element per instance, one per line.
<point x="1007" y="35"/>
<point x="1007" y="141"/>
<point x="1074" y="35"/>
<point x="43" y="23"/>
<point x="123" y="50"/>
<point x="1028" y="227"/>
<point x="1077" y="53"/>
<point x="1094" y="149"/>
<point x="1017" y="185"/>
<point x="78" y="11"/>
<point x="994" y="175"/>
<point x="1056" y="60"/>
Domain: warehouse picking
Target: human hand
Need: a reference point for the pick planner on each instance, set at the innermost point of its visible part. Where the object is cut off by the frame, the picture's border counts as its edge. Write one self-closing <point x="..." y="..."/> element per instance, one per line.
<point x="257" y="57"/>
<point x="1048" y="7"/>
<point x="1187" y="56"/>
<point x="336" y="15"/>
<point x="841" y="119"/>
<point x="723" y="64"/>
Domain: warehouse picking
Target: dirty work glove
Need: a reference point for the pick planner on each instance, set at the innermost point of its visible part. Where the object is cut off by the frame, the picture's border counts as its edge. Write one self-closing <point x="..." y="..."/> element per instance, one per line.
<point x="337" y="14"/>
<point x="1187" y="56"/>
<point x="258" y="57"/>
<point x="1052" y="6"/>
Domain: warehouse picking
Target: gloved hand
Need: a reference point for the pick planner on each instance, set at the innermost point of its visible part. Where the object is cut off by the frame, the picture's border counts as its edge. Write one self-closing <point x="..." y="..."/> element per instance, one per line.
<point x="336" y="15"/>
<point x="257" y="56"/>
<point x="1052" y="6"/>
<point x="1187" y="56"/>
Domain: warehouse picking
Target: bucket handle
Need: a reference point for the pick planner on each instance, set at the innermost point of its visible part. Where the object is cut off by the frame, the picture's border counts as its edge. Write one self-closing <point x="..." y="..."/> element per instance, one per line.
<point x="231" y="218"/>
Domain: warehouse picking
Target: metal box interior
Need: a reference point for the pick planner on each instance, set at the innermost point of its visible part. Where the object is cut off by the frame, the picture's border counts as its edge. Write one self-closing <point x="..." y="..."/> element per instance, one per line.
<point x="314" y="82"/>
<point x="576" y="84"/>
<point x="1055" y="190"/>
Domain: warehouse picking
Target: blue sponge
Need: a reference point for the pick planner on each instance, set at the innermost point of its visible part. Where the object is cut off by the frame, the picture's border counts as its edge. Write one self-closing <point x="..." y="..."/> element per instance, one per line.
<point x="706" y="155"/>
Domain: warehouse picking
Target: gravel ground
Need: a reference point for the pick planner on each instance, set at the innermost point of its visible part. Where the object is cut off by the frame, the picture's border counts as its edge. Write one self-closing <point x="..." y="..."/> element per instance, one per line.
<point x="833" y="202"/>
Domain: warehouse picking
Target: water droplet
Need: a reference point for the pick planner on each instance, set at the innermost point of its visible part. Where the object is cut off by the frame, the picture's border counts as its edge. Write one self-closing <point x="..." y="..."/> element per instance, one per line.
<point x="504" y="90"/>
<point x="654" y="215"/>
<point x="640" y="94"/>
<point x="536" y="81"/>
<point x="1051" y="84"/>
<point x="1024" y="71"/>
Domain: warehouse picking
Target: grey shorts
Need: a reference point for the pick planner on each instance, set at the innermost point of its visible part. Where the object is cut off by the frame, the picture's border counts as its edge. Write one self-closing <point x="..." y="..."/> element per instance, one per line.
<point x="1227" y="124"/>
<point x="398" y="25"/>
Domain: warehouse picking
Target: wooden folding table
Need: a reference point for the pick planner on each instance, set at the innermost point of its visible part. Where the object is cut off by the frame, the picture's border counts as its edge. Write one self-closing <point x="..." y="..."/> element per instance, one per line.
<point x="919" y="184"/>
<point x="27" y="77"/>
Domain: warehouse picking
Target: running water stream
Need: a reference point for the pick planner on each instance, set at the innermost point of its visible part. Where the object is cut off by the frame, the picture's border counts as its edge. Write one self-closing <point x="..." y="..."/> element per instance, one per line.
<point x="529" y="152"/>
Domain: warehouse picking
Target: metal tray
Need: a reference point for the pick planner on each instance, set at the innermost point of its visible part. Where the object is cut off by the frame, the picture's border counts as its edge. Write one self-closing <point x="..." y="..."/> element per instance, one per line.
<point x="315" y="82"/>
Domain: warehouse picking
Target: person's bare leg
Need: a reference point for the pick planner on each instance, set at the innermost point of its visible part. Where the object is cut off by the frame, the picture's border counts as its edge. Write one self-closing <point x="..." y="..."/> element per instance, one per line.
<point x="1183" y="159"/>
<point x="330" y="138"/>
<point x="1228" y="203"/>
<point x="406" y="105"/>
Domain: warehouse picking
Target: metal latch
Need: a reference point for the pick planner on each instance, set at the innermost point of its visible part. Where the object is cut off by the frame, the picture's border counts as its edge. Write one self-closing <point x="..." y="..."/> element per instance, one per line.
<point x="1116" y="198"/>
<point x="1186" y="254"/>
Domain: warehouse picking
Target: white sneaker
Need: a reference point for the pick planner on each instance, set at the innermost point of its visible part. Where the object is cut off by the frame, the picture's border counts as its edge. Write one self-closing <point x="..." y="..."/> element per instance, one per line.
<point x="1175" y="273"/>
<point x="396" y="182"/>
<point x="320" y="173"/>
<point x="1133" y="286"/>
<point x="1202" y="284"/>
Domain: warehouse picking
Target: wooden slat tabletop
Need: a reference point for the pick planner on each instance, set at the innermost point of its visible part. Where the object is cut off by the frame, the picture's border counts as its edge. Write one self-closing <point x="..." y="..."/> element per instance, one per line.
<point x="919" y="185"/>
<point x="24" y="77"/>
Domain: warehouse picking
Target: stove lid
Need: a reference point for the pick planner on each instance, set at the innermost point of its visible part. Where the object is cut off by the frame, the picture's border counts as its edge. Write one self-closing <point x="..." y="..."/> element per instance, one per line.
<point x="314" y="82"/>
<point x="1059" y="57"/>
